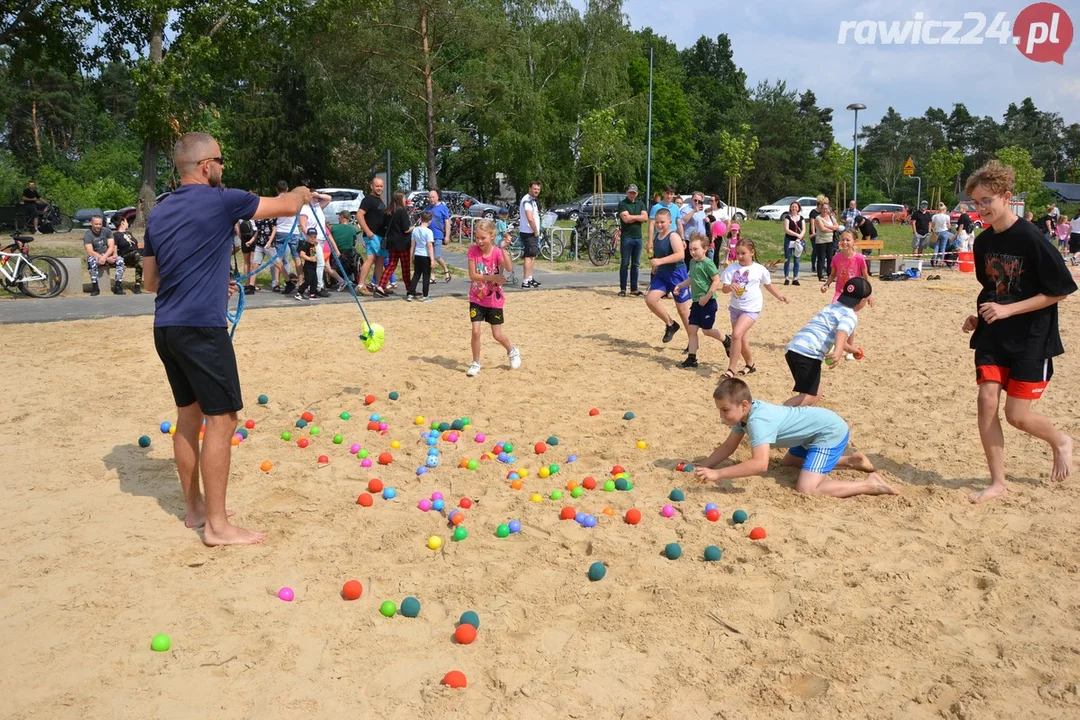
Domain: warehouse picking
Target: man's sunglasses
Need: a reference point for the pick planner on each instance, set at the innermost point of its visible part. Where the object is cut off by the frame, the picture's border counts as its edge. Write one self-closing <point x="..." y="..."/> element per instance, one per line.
<point x="219" y="160"/>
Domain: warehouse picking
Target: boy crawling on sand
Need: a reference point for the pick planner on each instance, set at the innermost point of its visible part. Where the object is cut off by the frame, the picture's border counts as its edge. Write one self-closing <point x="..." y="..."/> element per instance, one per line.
<point x="815" y="437"/>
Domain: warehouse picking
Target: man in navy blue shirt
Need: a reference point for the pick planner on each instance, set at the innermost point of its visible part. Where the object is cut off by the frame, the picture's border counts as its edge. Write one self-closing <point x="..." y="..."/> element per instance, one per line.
<point x="187" y="249"/>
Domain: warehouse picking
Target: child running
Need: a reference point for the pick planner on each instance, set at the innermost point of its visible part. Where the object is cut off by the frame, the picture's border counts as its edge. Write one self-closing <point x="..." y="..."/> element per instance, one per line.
<point x="1015" y="336"/>
<point x="733" y="237"/>
<point x="703" y="282"/>
<point x="846" y="266"/>
<point x="743" y="280"/>
<point x="669" y="270"/>
<point x="423" y="248"/>
<point x="486" y="298"/>
<point x="833" y="327"/>
<point x="815" y="438"/>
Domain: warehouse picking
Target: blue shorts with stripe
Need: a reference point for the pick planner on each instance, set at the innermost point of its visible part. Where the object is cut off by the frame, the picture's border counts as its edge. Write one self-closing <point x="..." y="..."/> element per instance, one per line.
<point x="820" y="460"/>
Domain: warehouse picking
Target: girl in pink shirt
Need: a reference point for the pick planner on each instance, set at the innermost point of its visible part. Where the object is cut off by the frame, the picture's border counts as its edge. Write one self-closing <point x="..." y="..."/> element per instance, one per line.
<point x="488" y="269"/>
<point x="848" y="264"/>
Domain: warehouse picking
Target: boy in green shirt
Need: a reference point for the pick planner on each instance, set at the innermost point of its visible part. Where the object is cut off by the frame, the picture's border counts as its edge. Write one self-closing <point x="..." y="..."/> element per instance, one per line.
<point x="344" y="234"/>
<point x="704" y="281"/>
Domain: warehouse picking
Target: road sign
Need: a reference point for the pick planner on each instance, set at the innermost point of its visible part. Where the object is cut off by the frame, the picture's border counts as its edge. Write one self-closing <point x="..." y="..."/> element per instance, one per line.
<point x="909" y="167"/>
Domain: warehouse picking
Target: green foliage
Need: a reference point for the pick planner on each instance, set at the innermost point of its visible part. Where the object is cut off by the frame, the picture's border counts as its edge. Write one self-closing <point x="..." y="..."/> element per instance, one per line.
<point x="71" y="194"/>
<point x="1028" y="177"/>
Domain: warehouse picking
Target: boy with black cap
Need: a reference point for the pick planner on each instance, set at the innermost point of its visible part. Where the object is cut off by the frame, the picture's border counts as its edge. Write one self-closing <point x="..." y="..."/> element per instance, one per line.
<point x="833" y="327"/>
<point x="309" y="248"/>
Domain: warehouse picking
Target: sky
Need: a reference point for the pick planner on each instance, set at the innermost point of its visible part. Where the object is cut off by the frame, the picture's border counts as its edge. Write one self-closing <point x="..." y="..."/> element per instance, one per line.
<point x="798" y="43"/>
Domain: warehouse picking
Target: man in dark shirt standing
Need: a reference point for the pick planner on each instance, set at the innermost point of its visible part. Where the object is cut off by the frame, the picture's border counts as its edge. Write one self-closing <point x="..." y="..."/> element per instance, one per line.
<point x="920" y="228"/>
<point x="32" y="203"/>
<point x="371" y="216"/>
<point x="188" y="245"/>
<point x="632" y="215"/>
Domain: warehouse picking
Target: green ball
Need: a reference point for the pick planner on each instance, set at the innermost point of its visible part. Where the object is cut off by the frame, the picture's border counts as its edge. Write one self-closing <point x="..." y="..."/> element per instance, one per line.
<point x="314" y="430"/>
<point x="263" y="399"/>
<point x="286" y="436"/>
<point x="629" y="485"/>
<point x="577" y="492"/>
<point x="457" y="425"/>
<point x="470" y="618"/>
<point x="243" y="432"/>
<point x="553" y="469"/>
<point x="472" y="464"/>
<point x="553" y="440"/>
<point x="434" y="424"/>
<point x="345" y="415"/>
<point x="677" y="495"/>
<point x="502" y="531"/>
<point x="388" y="608"/>
<point x="739" y="517"/>
<point x="628" y="415"/>
<point x="622" y="484"/>
<point x="338" y="439"/>
<point x="144" y="441"/>
<point x="394" y="395"/>
<point x="460" y="533"/>
<point x="466" y="421"/>
<point x="609" y="486"/>
<point x="712" y="553"/>
<point x="597" y="571"/>
<point x="362" y="454"/>
<point x="444" y="426"/>
<point x="556" y="494"/>
<point x="410" y="607"/>
<point x="160" y="643"/>
<point x="673" y="551"/>
<point x="508" y="448"/>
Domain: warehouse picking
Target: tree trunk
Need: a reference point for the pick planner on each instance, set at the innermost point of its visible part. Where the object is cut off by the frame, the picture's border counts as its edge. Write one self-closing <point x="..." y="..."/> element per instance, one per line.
<point x="34" y="124"/>
<point x="429" y="99"/>
<point x="148" y="179"/>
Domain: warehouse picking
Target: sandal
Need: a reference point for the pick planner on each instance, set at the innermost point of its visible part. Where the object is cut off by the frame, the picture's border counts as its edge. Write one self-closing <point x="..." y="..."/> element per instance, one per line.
<point x="748" y="370"/>
<point x="729" y="374"/>
<point x="364" y="291"/>
<point x="446" y="277"/>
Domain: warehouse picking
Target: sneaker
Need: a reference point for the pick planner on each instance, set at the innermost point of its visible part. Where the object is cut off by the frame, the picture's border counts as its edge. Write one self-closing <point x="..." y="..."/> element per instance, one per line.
<point x="474" y="369"/>
<point x="428" y="299"/>
<point x="408" y="298"/>
<point x="670" y="331"/>
<point x="622" y="293"/>
<point x="342" y="287"/>
<point x="323" y="293"/>
<point x="298" y="296"/>
<point x="312" y="296"/>
<point x="794" y="282"/>
<point x="849" y="356"/>
<point x="275" y="288"/>
<point x="94" y="291"/>
<point x="535" y="284"/>
<point x="526" y="285"/>
<point x="515" y="358"/>
<point x="786" y="281"/>
<point x="689" y="362"/>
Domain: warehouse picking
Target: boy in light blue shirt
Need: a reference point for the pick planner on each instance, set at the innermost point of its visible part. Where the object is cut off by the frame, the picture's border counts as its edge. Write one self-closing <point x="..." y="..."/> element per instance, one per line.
<point x="815" y="438"/>
<point x="502" y="230"/>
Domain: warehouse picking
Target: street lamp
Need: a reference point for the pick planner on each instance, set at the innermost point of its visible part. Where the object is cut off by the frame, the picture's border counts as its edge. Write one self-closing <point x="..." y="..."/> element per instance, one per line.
<point x="856" y="107"/>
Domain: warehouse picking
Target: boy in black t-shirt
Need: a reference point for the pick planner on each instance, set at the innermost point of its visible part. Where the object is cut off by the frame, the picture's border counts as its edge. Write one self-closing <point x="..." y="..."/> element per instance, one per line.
<point x="1016" y="329"/>
<point x="308" y="247"/>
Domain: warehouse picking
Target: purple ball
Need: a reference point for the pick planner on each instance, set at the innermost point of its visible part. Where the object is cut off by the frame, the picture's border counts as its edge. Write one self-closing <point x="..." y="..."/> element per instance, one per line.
<point x="580" y="518"/>
<point x="711" y="506"/>
<point x="515" y="526"/>
<point x="437" y="495"/>
<point x="590" y="521"/>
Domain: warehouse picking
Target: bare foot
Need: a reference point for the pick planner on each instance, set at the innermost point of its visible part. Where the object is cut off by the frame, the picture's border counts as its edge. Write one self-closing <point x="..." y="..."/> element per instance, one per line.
<point x="232" y="535"/>
<point x="859" y="461"/>
<point x="877" y="485"/>
<point x="991" y="493"/>
<point x="1062" y="460"/>
<point x="198" y="519"/>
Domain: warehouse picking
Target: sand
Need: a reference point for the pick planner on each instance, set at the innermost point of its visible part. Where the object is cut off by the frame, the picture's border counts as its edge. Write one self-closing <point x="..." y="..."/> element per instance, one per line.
<point x="916" y="606"/>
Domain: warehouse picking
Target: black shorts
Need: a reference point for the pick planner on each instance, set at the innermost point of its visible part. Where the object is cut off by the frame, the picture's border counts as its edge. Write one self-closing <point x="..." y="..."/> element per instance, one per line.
<point x="530" y="244"/>
<point x="1074" y="243"/>
<point x="806" y="371"/>
<point x="703" y="317"/>
<point x="490" y="315"/>
<point x="1022" y="378"/>
<point x="201" y="367"/>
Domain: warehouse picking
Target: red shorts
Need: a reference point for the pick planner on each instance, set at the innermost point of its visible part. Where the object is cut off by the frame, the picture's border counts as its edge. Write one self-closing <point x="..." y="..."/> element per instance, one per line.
<point x="1024" y="379"/>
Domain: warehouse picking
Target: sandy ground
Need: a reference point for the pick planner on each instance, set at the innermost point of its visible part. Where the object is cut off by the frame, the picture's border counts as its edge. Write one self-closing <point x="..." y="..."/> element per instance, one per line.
<point x="908" y="607"/>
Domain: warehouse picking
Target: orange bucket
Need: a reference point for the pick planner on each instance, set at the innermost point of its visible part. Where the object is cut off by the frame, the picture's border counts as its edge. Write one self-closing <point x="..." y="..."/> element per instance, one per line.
<point x="967" y="262"/>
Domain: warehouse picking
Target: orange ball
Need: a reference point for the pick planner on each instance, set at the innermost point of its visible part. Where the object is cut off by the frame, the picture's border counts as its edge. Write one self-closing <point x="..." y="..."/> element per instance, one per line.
<point x="713" y="515"/>
<point x="594" y="412"/>
<point x="589" y="483"/>
<point x="308" y="417"/>
<point x="517" y="484"/>
<point x="571" y="485"/>
<point x="364" y="500"/>
<point x="464" y="463"/>
<point x="303" y="442"/>
<point x="369" y="400"/>
<point x="567" y="513"/>
<point x="465" y="634"/>
<point x="633" y="516"/>
<point x="454" y="679"/>
<point x="266" y="465"/>
<point x="250" y="424"/>
<point x="540" y="448"/>
<point x="235" y="441"/>
<point x="375" y="485"/>
<point x="458" y="518"/>
<point x="352" y="590"/>
<point x="610" y="512"/>
<point x="385" y="458"/>
<point x="757" y="534"/>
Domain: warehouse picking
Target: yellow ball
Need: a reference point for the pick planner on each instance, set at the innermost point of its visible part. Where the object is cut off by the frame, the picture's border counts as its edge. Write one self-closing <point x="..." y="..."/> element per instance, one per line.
<point x="419" y="420"/>
<point x="544" y="472"/>
<point x="395" y="444"/>
<point x="621" y="475"/>
<point x="434" y="542"/>
<point x="523" y="473"/>
<point x="536" y="497"/>
<point x="172" y="429"/>
<point x="641" y="445"/>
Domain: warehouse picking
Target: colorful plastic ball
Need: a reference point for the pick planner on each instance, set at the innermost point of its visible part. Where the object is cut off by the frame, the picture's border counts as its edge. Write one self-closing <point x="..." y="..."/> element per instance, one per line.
<point x="172" y="430"/>
<point x="590" y="521"/>
<point x="508" y="447"/>
<point x="503" y="457"/>
<point x="419" y="420"/>
<point x="594" y="412"/>
<point x="389" y="493"/>
<point x="422" y="470"/>
<point x="434" y="542"/>
<point x="540" y="448"/>
<point x="362" y="454"/>
<point x="680" y="466"/>
<point x="553" y="469"/>
<point x="160" y="643"/>
<point x="641" y="445"/>
<point x="410" y="606"/>
<point x="677" y="495"/>
<point x="345" y="415"/>
<point x="286" y="594"/>
<point x="597" y="571"/>
<point x="553" y="441"/>
<point x="394" y="396"/>
<point x="556" y="494"/>
<point x="457" y="517"/>
<point x="617" y="469"/>
<point x="572" y="458"/>
<point x="432" y="461"/>
<point x="388" y="608"/>
<point x="577" y="492"/>
<point x="385" y="458"/>
<point x="517" y="484"/>
<point x="354" y="448"/>
<point x="609" y="486"/>
<point x="523" y="473"/>
<point x="480" y="437"/>
<point x="165" y="426"/>
<point x="432" y="442"/>
<point x="713" y="515"/>
<point x="454" y="679"/>
<point x="571" y="484"/>
<point x="323" y="460"/>
<point x="457" y="425"/>
<point x="673" y="551"/>
<point x="144" y="441"/>
<point x="306" y="416"/>
<point x="460" y="533"/>
<point x="515" y="526"/>
<point x="628" y="415"/>
<point x="502" y="531"/>
<point x="589" y="483"/>
<point x="263" y="400"/>
<point x="544" y="472"/>
<point x="465" y="503"/>
<point x="266" y="465"/>
<point x="424" y="505"/>
<point x="633" y="516"/>
<point x="434" y="451"/>
<point x="352" y="590"/>
<point x="303" y="442"/>
<point x="375" y="485"/>
<point x="438" y="504"/>
<point x="465" y="634"/>
<point x="610" y="512"/>
<point x="472" y="465"/>
<point x="667" y="511"/>
<point x="395" y="445"/>
<point x="567" y="513"/>
<point x="512" y="476"/>
<point x="739" y="517"/>
<point x="710" y="506"/>
<point x="365" y="500"/>
<point x="434" y="424"/>
<point x="369" y="400"/>
<point x="689" y="468"/>
<point x="301" y="423"/>
<point x="372" y="425"/>
<point x="235" y="440"/>
<point x="383" y="426"/>
<point x="444" y="427"/>
<point x="250" y="424"/>
<point x="437" y="495"/>
<point x="243" y="433"/>
<point x="536" y="497"/>
<point x="365" y="463"/>
<point x="712" y="553"/>
<point x="469" y="618"/>
<point x="579" y="517"/>
<point x="757" y="533"/>
<point x="622" y="484"/>
<point x="465" y="422"/>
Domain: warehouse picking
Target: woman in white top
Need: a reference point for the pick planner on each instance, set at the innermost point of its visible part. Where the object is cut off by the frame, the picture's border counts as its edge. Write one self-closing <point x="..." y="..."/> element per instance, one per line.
<point x="824" y="226"/>
<point x="939" y="224"/>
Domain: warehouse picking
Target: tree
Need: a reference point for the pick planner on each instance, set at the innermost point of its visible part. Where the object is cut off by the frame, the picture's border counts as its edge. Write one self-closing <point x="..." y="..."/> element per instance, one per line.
<point x="837" y="165"/>
<point x="1028" y="177"/>
<point x="737" y="157"/>
<point x="941" y="169"/>
<point x="603" y="146"/>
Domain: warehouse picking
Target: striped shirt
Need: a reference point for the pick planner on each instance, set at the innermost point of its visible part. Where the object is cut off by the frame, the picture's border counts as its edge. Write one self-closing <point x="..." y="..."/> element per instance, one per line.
<point x="817" y="337"/>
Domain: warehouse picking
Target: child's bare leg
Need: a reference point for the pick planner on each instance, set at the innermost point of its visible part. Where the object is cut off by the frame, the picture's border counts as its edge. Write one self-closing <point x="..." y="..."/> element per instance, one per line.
<point x="812" y="483"/>
<point x="684" y="312"/>
<point x="856" y="461"/>
<point x="692" y="338"/>
<point x="1019" y="414"/>
<point x="802" y="400"/>
<point x="714" y="333"/>
<point x="993" y="442"/>
<point x="475" y="341"/>
<point x="740" y="343"/>
<point x="500" y="337"/>
<point x="652" y="300"/>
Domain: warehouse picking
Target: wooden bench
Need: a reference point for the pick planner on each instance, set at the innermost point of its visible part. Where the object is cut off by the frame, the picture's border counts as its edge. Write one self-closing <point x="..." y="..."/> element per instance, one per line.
<point x="886" y="264"/>
<point x="878" y="245"/>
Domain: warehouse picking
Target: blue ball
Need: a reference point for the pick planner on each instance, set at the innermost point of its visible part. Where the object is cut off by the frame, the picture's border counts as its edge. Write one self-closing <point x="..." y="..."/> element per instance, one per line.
<point x="711" y="506"/>
<point x="597" y="571"/>
<point x="673" y="551"/>
<point x="165" y="426"/>
<point x="511" y="459"/>
<point x="432" y="441"/>
<point x="444" y="426"/>
<point x="433" y="451"/>
<point x="580" y="518"/>
<point x="243" y="432"/>
<point x="622" y="484"/>
<point x="375" y="417"/>
<point x="515" y="526"/>
<point x="410" y="606"/>
<point x="514" y="476"/>
<point x="572" y="458"/>
<point x="422" y="470"/>
<point x="677" y="495"/>
<point x="712" y="553"/>
<point x="688" y="468"/>
<point x="590" y="521"/>
<point x="438" y="505"/>
<point x="301" y="423"/>
<point x="470" y="618"/>
<point x="739" y="517"/>
<point x="389" y="493"/>
<point x="432" y="461"/>
<point x="503" y="457"/>
<point x="144" y="441"/>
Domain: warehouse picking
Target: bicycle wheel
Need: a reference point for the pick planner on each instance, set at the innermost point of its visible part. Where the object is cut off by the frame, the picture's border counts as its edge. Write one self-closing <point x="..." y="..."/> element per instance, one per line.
<point x="599" y="246"/>
<point x="61" y="268"/>
<point x="62" y="223"/>
<point x="516" y="250"/>
<point x="38" y="277"/>
<point x="556" y="248"/>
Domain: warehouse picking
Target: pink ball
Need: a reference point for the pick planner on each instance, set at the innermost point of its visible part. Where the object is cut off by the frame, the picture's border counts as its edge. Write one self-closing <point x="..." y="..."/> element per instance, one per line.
<point x="424" y="504"/>
<point x="436" y="495"/>
<point x="286" y="594"/>
<point x="452" y="437"/>
<point x="354" y="449"/>
<point x="366" y="462"/>
<point x="668" y="511"/>
<point x="383" y="426"/>
<point x="239" y="437"/>
<point x="480" y="437"/>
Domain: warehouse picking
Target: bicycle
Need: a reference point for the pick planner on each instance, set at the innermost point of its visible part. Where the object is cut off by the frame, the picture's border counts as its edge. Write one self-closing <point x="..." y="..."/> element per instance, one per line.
<point x="50" y="220"/>
<point x="603" y="245"/>
<point x="550" y="248"/>
<point x="39" y="276"/>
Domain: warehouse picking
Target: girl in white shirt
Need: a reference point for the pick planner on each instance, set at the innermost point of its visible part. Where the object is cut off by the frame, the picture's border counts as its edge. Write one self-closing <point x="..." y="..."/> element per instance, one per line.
<point x="743" y="280"/>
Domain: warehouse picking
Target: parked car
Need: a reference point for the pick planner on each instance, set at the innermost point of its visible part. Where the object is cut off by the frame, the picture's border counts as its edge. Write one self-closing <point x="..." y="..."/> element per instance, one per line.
<point x="779" y="209"/>
<point x="82" y="218"/>
<point x="584" y="206"/>
<point x="724" y="213"/>
<point x="129" y="212"/>
<point x="886" y="213"/>
<point x="341" y="199"/>
<point x="458" y="202"/>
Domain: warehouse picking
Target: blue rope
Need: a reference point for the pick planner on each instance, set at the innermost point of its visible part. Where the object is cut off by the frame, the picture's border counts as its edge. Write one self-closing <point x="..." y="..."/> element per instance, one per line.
<point x="234" y="317"/>
<point x="345" y="278"/>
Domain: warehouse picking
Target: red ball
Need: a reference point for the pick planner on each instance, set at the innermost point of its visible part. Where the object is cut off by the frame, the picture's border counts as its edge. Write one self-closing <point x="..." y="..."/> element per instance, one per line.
<point x="859" y="355"/>
<point x="369" y="400"/>
<point x="589" y="483"/>
<point x="540" y="448"/>
<point x="323" y="460"/>
<point x="681" y="466"/>
<point x="497" y="449"/>
<point x="373" y="425"/>
<point x="465" y="503"/>
<point x="364" y="500"/>
<point x="567" y="513"/>
<point x="633" y="516"/>
<point x="465" y="634"/>
<point x="454" y="679"/>
<point x="617" y="469"/>
<point x="352" y="590"/>
<point x="713" y="515"/>
<point x="303" y="442"/>
<point x="375" y="485"/>
<point x="757" y="534"/>
<point x="250" y="424"/>
<point x="308" y="417"/>
<point x="385" y="458"/>
<point x="594" y="412"/>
